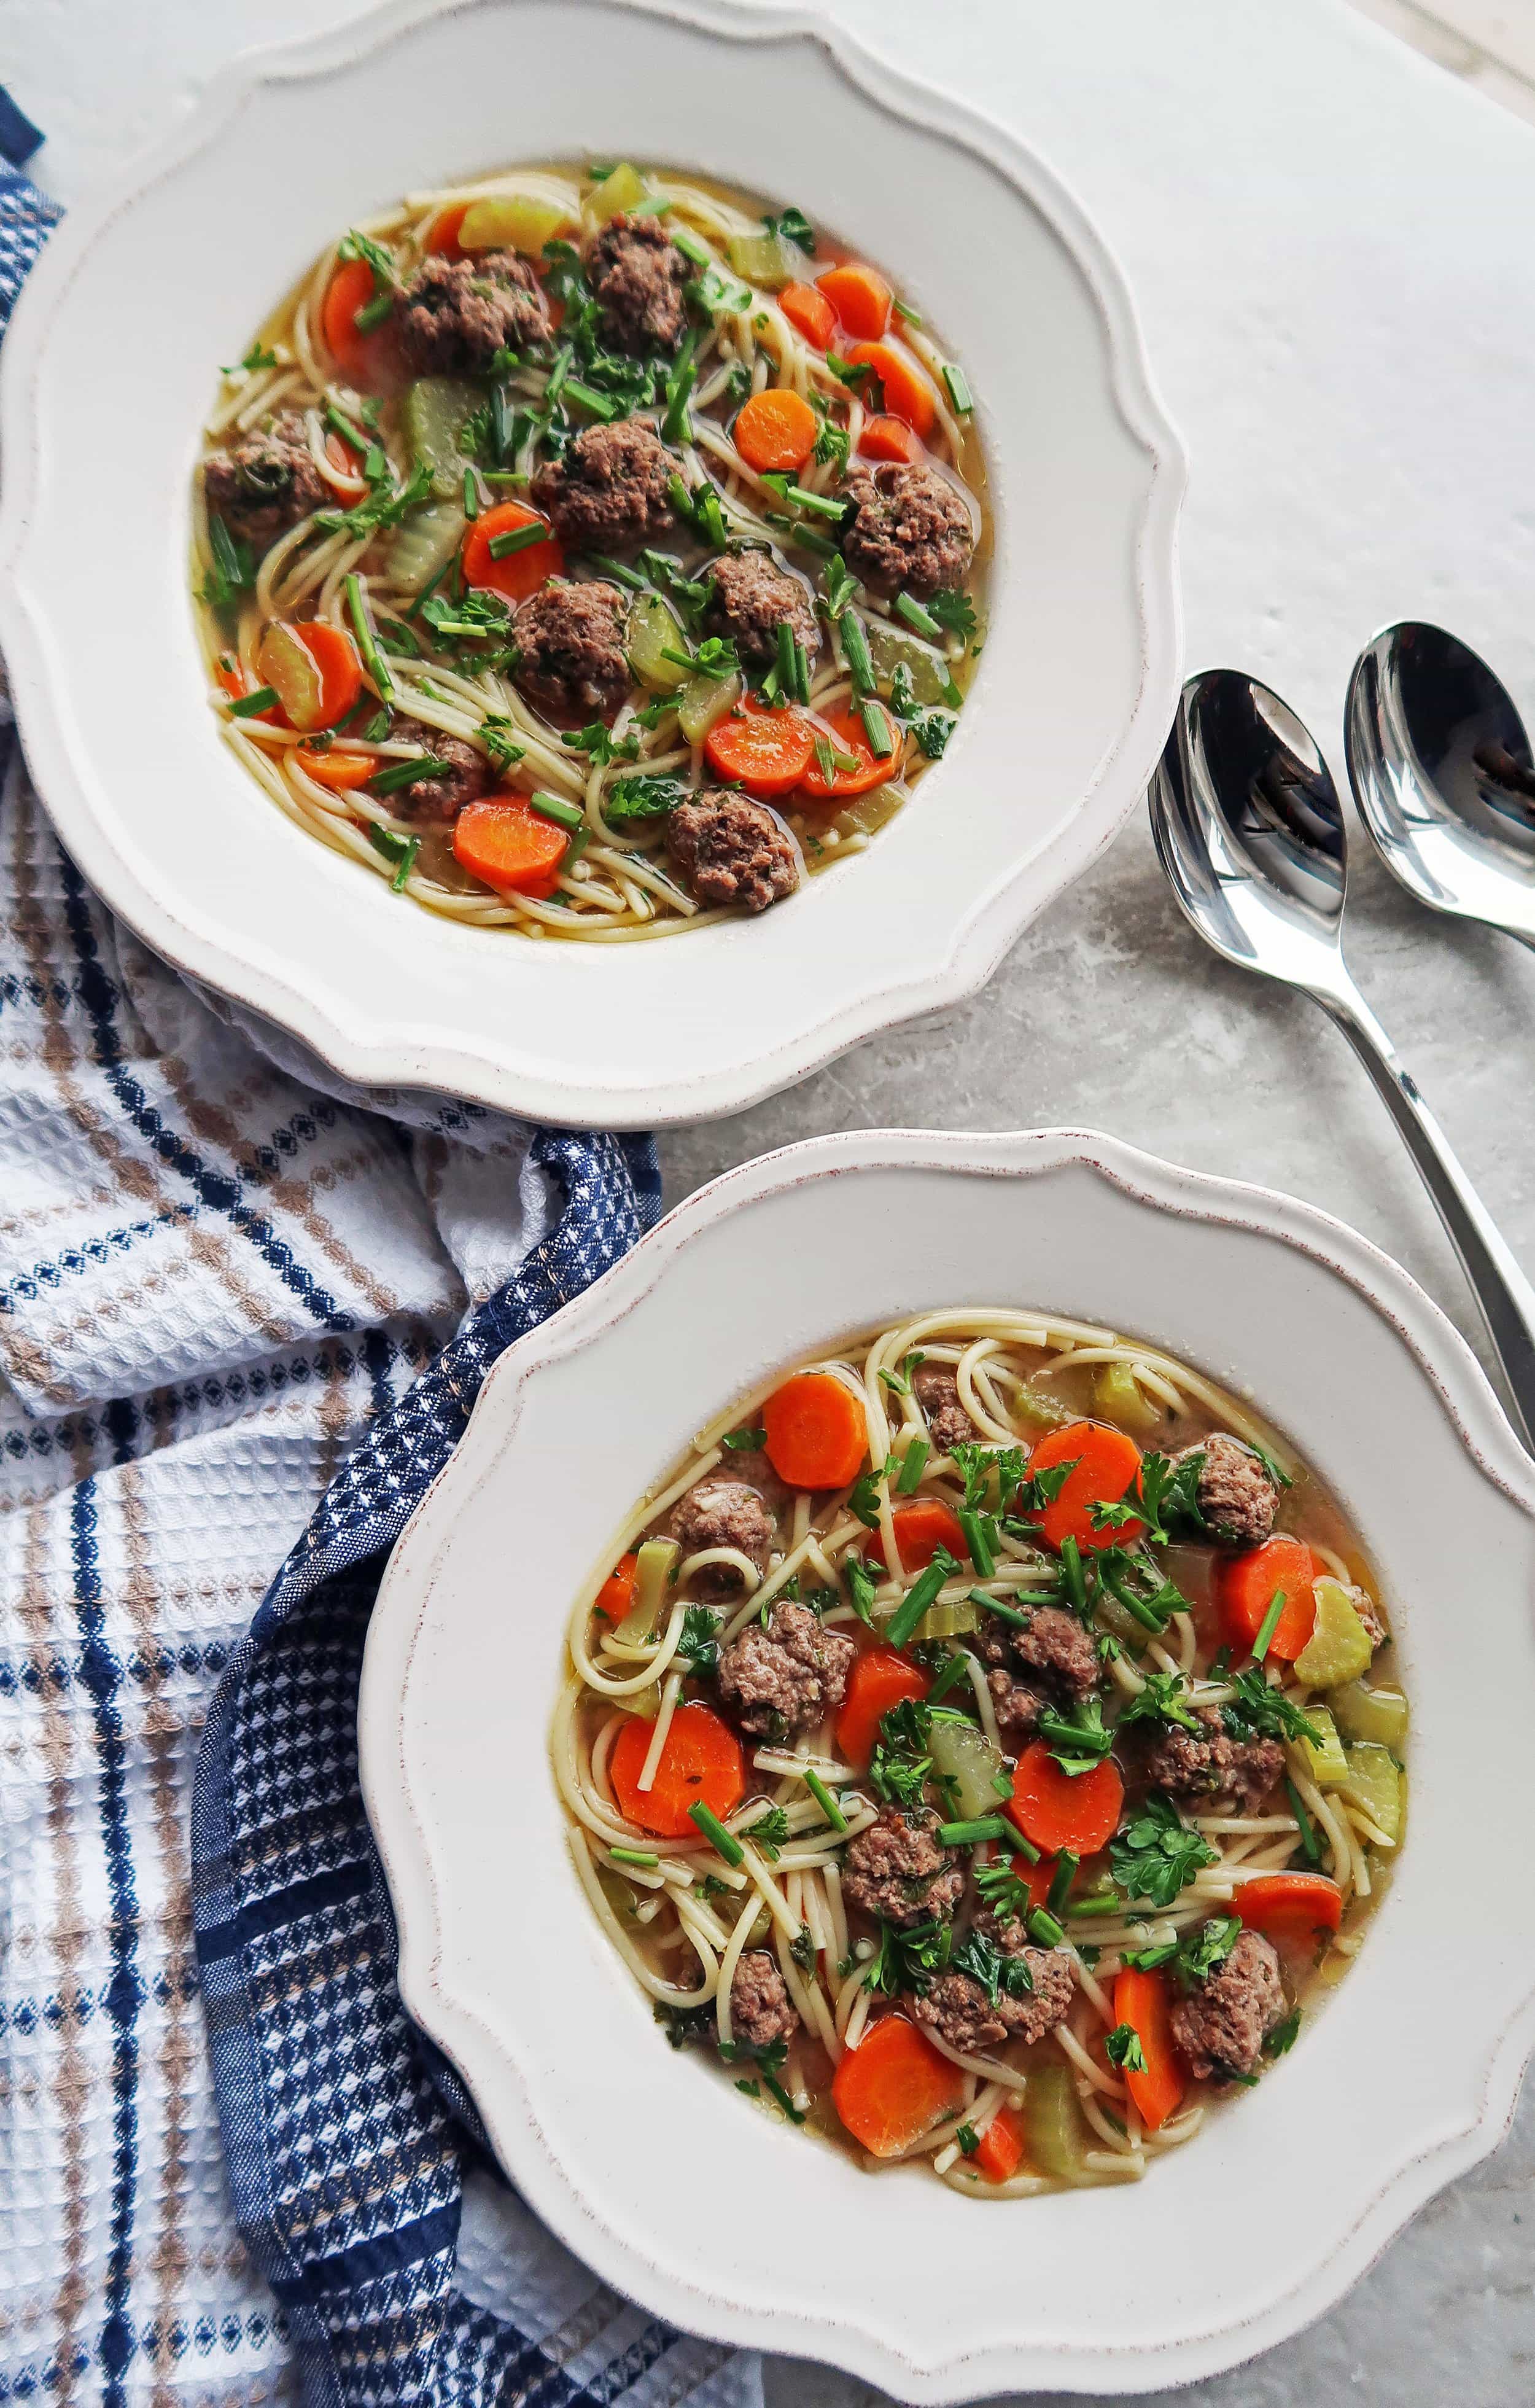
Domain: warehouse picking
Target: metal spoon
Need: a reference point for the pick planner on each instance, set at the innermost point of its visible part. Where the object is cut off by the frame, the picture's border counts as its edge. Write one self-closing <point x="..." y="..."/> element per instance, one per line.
<point x="1250" y="831"/>
<point x="1440" y="769"/>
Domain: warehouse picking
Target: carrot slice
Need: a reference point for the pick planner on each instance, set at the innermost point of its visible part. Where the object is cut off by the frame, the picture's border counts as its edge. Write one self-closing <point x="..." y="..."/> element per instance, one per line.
<point x="893" y="2087"/>
<point x="860" y="296"/>
<point x="888" y="438"/>
<point x="880" y="1679"/>
<point x="508" y="844"/>
<point x="810" y="312"/>
<point x="921" y="1529"/>
<point x="616" y="1594"/>
<point x="767" y="749"/>
<point x="776" y="429"/>
<point x="516" y="574"/>
<point x="1106" y="1462"/>
<point x="908" y="393"/>
<point x="351" y="289"/>
<point x="1293" y="1905"/>
<point x="816" y="1434"/>
<point x="1247" y="1584"/>
<point x="339" y="769"/>
<point x="1142" y="2000"/>
<point x="445" y="229"/>
<point x="701" y="1764"/>
<point x="334" y="655"/>
<point x="849" y="735"/>
<point x="1057" y="1809"/>
<point x="1000" y="2152"/>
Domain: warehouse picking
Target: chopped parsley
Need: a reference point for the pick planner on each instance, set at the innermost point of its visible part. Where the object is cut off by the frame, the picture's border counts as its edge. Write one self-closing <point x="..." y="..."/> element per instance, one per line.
<point x="1078" y="1740"/>
<point x="1164" y="1700"/>
<point x="863" y="1495"/>
<point x="685" y="2025"/>
<point x="861" y="1587"/>
<point x="741" y="1441"/>
<point x="499" y="743"/>
<point x="698" y="1642"/>
<point x="1210" y="1946"/>
<point x="1282" y="2039"/>
<point x="969" y="2139"/>
<point x="793" y="225"/>
<point x="258" y="356"/>
<point x="900" y="1764"/>
<point x="1122" y="2047"/>
<point x="1163" y="1496"/>
<point x="383" y="506"/>
<point x="954" y="609"/>
<point x="1259" y="1710"/>
<point x="802" y="1949"/>
<point x="1156" y="1856"/>
<point x="628" y="799"/>
<point x="597" y="743"/>
<point x="991" y="1968"/>
<point x="768" y="1832"/>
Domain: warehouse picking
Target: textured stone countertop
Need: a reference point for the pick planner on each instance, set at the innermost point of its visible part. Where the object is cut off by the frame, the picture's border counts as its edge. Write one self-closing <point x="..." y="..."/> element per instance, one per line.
<point x="1328" y="240"/>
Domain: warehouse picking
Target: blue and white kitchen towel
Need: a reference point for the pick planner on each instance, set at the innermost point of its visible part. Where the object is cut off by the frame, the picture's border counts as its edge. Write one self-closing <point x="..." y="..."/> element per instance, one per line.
<point x="228" y="1301"/>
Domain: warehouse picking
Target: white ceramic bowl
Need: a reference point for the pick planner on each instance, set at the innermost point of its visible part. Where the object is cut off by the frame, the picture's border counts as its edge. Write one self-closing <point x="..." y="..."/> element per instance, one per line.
<point x="1406" y="2078"/>
<point x="156" y="285"/>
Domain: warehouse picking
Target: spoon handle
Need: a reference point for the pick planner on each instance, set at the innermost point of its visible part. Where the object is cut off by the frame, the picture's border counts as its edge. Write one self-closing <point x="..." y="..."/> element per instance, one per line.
<point x="1503" y="1295"/>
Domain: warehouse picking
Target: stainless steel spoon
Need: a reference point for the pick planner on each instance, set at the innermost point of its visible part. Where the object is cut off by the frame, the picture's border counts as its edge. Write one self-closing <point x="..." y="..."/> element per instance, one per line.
<point x="1440" y="769"/>
<point x="1251" y="834"/>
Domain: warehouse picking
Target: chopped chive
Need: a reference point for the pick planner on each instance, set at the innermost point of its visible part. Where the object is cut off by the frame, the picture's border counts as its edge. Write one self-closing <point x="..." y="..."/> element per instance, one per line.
<point x="518" y="538"/>
<point x="689" y="245"/>
<point x="856" y="652"/>
<point x="827" y="1802"/>
<point x="1103" y="1901"/>
<point x="408" y="862"/>
<point x="1044" y="1929"/>
<point x="414" y="772"/>
<point x="877" y="728"/>
<point x="373" y="313"/>
<point x="907" y="607"/>
<point x="342" y="426"/>
<point x="952" y="1671"/>
<point x="551" y="807"/>
<point x="913" y="1461"/>
<point x="430" y="588"/>
<point x="471" y="497"/>
<point x="970" y="1835"/>
<point x="912" y="317"/>
<point x="1310" y="1847"/>
<point x="503" y="424"/>
<point x="824" y="505"/>
<point x="618" y="570"/>
<point x="959" y="391"/>
<point x="716" y="1834"/>
<point x="1013" y="1837"/>
<point x="785" y="656"/>
<point x="1076" y="1583"/>
<point x="1060" y="1888"/>
<point x="775" y="2089"/>
<point x="805" y="536"/>
<point x="994" y="1605"/>
<point x="633" y="1856"/>
<point x="565" y="360"/>
<point x="597" y="405"/>
<point x="1268" y="1627"/>
<point x="918" y="1597"/>
<point x="250" y="706"/>
<point x="231" y="567"/>
<point x="676" y="428"/>
<point x="978" y="1541"/>
<point x="373" y="660"/>
<point x="950" y="693"/>
<point x="802" y="673"/>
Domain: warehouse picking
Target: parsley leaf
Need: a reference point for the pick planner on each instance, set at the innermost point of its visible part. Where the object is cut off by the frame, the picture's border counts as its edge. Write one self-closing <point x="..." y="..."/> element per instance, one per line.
<point x="793" y="225"/>
<point x="1199" y="1953"/>
<point x="909" y="1959"/>
<point x="503" y="748"/>
<point x="863" y="1495"/>
<point x="1077" y="1740"/>
<point x="900" y="1764"/>
<point x="1282" y="2039"/>
<point x="741" y="1441"/>
<point x="1163" y="1496"/>
<point x="768" y="1832"/>
<point x="954" y="610"/>
<point x="1001" y="1891"/>
<point x="995" y="1970"/>
<point x="597" y="744"/>
<point x="384" y="507"/>
<point x="1164" y="1700"/>
<point x="1156" y="1856"/>
<point x="1122" y="2047"/>
<point x="628" y="799"/>
<point x="258" y="356"/>
<point x="698" y="1643"/>
<point x="969" y="2139"/>
<point x="685" y="2025"/>
<point x="1259" y="1710"/>
<point x="861" y="1587"/>
<point x="802" y="1949"/>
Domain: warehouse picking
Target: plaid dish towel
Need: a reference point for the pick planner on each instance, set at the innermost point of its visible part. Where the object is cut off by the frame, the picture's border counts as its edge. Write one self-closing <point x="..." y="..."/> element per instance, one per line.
<point x="229" y="1305"/>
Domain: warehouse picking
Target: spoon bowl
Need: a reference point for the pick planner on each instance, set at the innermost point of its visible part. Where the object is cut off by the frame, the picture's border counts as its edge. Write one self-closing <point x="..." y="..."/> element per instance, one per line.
<point x="1442" y="771"/>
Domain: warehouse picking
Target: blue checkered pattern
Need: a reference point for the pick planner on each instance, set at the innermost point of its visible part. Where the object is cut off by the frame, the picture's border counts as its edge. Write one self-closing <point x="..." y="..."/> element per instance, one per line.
<point x="244" y="1314"/>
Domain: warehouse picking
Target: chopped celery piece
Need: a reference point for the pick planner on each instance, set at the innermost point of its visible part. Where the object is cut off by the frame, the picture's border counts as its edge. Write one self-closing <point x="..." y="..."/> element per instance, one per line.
<point x="1115" y="1618"/>
<point x="765" y="260"/>
<point x="1054" y="2125"/>
<point x="1037" y="1410"/>
<point x="436" y="410"/>
<point x="1366" y="1714"/>
<point x="645" y="1702"/>
<point x="1119" y="1397"/>
<point x="1339" y="1648"/>
<point x="285" y="663"/>
<point x="424" y="543"/>
<point x="948" y="1621"/>
<point x="653" y="1568"/>
<point x="871" y="811"/>
<point x="703" y="700"/>
<point x="617" y="1892"/>
<point x="511" y="221"/>
<point x="890" y="647"/>
<point x="653" y="632"/>
<point x="624" y="188"/>
<point x="1326" y="1761"/>
<point x="1374" y="1783"/>
<point x="963" y="1755"/>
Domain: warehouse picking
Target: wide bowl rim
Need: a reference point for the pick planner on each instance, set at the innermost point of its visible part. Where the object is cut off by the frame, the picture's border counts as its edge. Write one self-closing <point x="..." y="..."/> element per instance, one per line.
<point x="1433" y="2151"/>
<point x="449" y="1052"/>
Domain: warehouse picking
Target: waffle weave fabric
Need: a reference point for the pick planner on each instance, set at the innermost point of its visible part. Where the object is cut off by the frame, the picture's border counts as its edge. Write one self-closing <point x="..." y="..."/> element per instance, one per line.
<point x="243" y="1319"/>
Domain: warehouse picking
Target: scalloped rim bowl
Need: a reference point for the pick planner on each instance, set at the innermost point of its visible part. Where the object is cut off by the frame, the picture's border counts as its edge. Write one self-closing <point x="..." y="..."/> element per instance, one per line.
<point x="1070" y="704"/>
<point x="1406" y="2077"/>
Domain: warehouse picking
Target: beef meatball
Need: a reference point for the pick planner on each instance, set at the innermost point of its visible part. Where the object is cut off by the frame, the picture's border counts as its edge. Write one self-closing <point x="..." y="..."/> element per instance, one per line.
<point x="1212" y="1771"/>
<point x="788" y="1677"/>
<point x="266" y="483"/>
<point x="751" y="597"/>
<point x="455" y="314"/>
<point x="608" y="491"/>
<point x="723" y="1512"/>
<point x="960" y="2010"/>
<point x="570" y="643"/>
<point x="1235" y="1494"/>
<point x="937" y="1391"/>
<point x="761" y="2009"/>
<point x="637" y="273"/>
<point x="1053" y="1645"/>
<point x="1223" y="2022"/>
<point x="1017" y="1708"/>
<point x="896" y="1869"/>
<point x="910" y="528"/>
<point x="732" y="849"/>
<point x="469" y="774"/>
